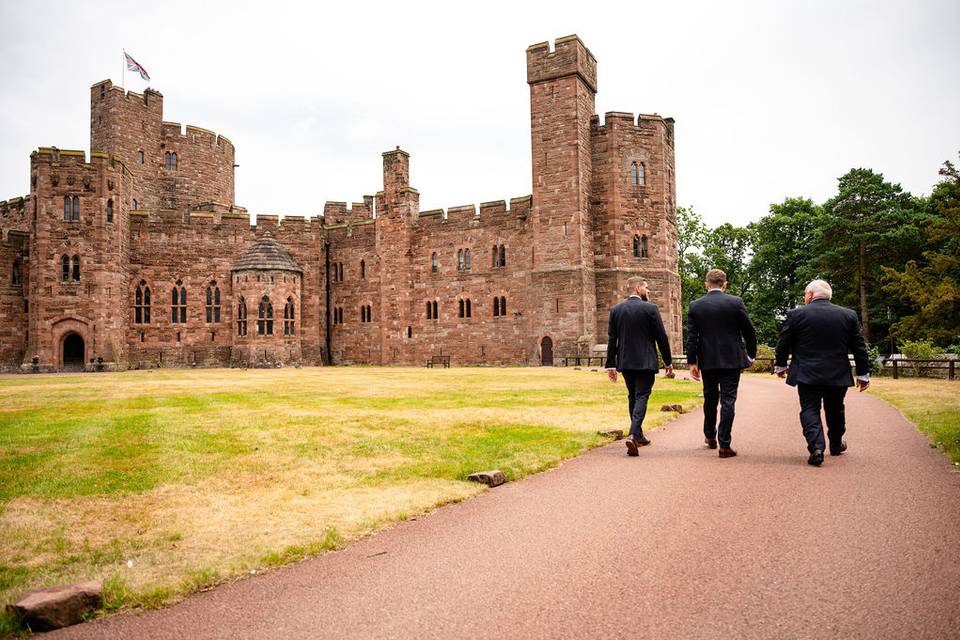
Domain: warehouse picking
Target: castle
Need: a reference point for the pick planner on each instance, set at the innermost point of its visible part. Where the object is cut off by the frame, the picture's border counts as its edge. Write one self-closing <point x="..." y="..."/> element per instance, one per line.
<point x="138" y="256"/>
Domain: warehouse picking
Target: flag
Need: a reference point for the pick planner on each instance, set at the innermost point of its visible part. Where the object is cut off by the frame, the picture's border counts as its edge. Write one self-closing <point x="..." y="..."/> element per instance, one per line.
<point x="133" y="65"/>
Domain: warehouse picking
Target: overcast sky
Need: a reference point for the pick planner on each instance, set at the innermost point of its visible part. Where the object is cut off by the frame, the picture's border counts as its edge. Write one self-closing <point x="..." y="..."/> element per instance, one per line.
<point x="771" y="99"/>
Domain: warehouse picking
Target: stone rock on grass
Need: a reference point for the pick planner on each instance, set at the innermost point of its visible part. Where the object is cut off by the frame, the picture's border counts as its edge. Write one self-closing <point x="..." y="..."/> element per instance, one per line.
<point x="616" y="434"/>
<point x="56" y="607"/>
<point x="673" y="407"/>
<point x="490" y="478"/>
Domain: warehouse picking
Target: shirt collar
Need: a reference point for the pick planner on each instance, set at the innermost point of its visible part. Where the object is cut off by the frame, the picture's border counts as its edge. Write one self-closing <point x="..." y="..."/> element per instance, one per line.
<point x="712" y="290"/>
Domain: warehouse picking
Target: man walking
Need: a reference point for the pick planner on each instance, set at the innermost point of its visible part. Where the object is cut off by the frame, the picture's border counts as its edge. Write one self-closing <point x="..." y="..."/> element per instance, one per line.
<point x="820" y="334"/>
<point x="718" y="327"/>
<point x="635" y="332"/>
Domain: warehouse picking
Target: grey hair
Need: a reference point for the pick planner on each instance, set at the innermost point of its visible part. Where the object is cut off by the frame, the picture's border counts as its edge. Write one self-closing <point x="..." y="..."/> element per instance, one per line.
<point x="819" y="289"/>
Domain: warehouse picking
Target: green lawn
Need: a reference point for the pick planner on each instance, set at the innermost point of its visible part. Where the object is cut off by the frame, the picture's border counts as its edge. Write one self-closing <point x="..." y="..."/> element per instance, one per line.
<point x="932" y="405"/>
<point x="164" y="482"/>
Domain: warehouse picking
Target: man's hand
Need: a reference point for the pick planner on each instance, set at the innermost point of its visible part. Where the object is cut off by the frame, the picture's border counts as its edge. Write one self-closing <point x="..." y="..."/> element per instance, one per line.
<point x="695" y="372"/>
<point x="783" y="374"/>
<point x="863" y="384"/>
<point x="669" y="372"/>
<point x="612" y="374"/>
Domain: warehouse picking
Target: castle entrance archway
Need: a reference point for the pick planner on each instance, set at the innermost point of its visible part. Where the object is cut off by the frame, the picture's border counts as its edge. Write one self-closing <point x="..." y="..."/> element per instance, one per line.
<point x="546" y="352"/>
<point x="73" y="352"/>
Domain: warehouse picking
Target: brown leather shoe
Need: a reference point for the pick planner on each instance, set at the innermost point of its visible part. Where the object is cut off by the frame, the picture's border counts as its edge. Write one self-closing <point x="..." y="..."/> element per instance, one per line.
<point x="727" y="452"/>
<point x="642" y="441"/>
<point x="710" y="442"/>
<point x="632" y="447"/>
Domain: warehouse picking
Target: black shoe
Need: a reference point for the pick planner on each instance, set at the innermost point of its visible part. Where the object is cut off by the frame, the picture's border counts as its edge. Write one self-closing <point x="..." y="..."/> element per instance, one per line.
<point x="836" y="451"/>
<point x="727" y="452"/>
<point x="710" y="442"/>
<point x="632" y="447"/>
<point x="816" y="458"/>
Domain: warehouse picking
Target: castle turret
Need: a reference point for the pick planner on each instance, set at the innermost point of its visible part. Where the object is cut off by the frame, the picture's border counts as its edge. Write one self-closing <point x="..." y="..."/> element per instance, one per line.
<point x="563" y="83"/>
<point x="398" y="207"/>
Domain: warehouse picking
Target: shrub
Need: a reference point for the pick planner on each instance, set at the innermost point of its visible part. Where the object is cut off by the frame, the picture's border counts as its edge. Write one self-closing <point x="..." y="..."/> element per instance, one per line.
<point x="762" y="364"/>
<point x="954" y="350"/>
<point x="876" y="360"/>
<point x="919" y="349"/>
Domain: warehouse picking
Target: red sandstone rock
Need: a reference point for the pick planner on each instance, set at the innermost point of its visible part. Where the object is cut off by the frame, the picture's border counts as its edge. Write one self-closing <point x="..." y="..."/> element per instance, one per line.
<point x="57" y="607"/>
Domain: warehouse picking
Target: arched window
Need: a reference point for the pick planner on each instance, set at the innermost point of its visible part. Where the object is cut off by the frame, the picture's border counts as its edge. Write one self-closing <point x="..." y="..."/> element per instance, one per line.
<point x="434" y="262"/>
<point x="363" y="269"/>
<point x="76" y="208"/>
<point x="468" y="307"/>
<point x="140" y="156"/>
<point x="503" y="255"/>
<point x="134" y="207"/>
<point x="66" y="209"/>
<point x="460" y="313"/>
<point x="178" y="303"/>
<point x="503" y="305"/>
<point x="288" y="318"/>
<point x="173" y="161"/>
<point x="170" y="161"/>
<point x="460" y="261"/>
<point x="496" y="307"/>
<point x="141" y="304"/>
<point x="643" y="247"/>
<point x="242" y="317"/>
<point x="429" y="311"/>
<point x="265" y="317"/>
<point x="76" y="268"/>
<point x="213" y="302"/>
<point x="495" y="262"/>
<point x="634" y="173"/>
<point x="636" y="246"/>
<point x="15" y="272"/>
<point x="110" y="210"/>
<point x="466" y="260"/>
<point x="641" y="174"/>
<point x="436" y="313"/>
<point x="65" y="268"/>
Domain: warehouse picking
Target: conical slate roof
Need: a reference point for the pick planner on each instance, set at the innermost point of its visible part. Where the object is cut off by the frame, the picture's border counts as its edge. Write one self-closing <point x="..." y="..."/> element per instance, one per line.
<point x="266" y="254"/>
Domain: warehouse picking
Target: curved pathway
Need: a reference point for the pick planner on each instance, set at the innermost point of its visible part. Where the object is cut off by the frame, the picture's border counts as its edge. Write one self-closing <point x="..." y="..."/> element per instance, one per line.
<point x="674" y="544"/>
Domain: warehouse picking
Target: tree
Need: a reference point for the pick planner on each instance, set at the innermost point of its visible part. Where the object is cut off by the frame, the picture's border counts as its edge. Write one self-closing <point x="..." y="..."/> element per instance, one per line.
<point x="869" y="222"/>
<point x="783" y="250"/>
<point x="728" y="248"/>
<point x="691" y="236"/>
<point x="931" y="285"/>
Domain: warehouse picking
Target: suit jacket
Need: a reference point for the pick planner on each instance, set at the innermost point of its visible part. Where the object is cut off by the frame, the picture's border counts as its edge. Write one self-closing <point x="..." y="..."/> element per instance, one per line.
<point x="820" y="336"/>
<point x="635" y="332"/>
<point x="716" y="323"/>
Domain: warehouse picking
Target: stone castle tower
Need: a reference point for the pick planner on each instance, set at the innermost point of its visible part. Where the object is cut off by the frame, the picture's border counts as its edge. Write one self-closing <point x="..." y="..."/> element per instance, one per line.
<point x="139" y="257"/>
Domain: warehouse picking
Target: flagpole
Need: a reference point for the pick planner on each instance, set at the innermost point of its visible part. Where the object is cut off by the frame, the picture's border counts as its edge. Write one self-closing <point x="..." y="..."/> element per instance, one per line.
<point x="124" y="72"/>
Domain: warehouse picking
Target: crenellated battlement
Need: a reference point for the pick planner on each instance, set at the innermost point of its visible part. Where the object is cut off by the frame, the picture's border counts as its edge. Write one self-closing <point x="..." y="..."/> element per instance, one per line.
<point x="106" y="89"/>
<point x="339" y="213"/>
<point x="487" y="213"/>
<point x="194" y="135"/>
<point x="624" y="119"/>
<point x="568" y="57"/>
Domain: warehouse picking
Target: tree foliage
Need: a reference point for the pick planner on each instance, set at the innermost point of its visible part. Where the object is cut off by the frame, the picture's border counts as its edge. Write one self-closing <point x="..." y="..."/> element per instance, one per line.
<point x="893" y="257"/>
<point x="931" y="285"/>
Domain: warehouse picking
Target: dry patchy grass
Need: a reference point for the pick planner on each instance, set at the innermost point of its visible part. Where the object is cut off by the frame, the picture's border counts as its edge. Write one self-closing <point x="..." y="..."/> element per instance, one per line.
<point x="200" y="476"/>
<point x="932" y="405"/>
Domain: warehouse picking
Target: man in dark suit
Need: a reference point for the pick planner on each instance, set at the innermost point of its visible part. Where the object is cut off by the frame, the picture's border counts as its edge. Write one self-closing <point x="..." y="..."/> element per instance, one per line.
<point x="820" y="335"/>
<point x="718" y="327"/>
<point x="635" y="332"/>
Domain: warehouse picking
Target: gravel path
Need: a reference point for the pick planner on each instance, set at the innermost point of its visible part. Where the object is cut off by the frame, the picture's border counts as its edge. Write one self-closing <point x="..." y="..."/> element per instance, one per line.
<point x="674" y="544"/>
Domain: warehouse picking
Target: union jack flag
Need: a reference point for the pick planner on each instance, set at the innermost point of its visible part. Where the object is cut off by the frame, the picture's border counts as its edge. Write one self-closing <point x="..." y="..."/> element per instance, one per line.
<point x="133" y="65"/>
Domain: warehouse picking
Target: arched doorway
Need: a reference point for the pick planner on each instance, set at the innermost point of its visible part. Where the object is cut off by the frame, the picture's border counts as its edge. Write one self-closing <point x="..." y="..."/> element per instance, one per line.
<point x="546" y="352"/>
<point x="73" y="352"/>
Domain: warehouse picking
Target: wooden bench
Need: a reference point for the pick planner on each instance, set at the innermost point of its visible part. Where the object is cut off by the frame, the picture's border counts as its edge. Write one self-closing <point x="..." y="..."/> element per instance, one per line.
<point x="444" y="360"/>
